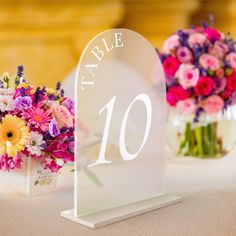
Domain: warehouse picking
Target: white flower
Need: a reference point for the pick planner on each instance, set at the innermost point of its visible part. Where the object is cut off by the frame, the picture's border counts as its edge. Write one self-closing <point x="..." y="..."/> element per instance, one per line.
<point x="34" y="143"/>
<point x="6" y="103"/>
<point x="7" y="91"/>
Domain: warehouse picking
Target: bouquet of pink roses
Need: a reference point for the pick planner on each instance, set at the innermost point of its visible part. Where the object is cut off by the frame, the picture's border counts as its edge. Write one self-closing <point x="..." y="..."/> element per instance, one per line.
<point x="200" y="69"/>
<point x="34" y="122"/>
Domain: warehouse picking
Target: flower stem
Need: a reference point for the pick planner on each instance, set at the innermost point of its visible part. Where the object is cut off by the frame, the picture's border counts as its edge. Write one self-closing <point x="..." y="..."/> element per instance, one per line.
<point x="199" y="137"/>
<point x="201" y="141"/>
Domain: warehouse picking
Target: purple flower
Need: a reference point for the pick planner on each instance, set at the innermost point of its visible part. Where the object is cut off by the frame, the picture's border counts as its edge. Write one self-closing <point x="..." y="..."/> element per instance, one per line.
<point x="53" y="128"/>
<point x="51" y="97"/>
<point x="20" y="71"/>
<point x="58" y="86"/>
<point x="22" y="92"/>
<point x="69" y="104"/>
<point x="23" y="103"/>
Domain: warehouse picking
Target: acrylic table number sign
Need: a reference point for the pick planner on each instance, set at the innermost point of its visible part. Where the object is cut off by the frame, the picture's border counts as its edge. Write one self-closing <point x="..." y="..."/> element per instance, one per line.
<point x="120" y="136"/>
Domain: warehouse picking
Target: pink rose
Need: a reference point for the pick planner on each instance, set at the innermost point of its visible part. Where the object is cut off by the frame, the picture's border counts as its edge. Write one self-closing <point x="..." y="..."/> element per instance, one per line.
<point x="184" y="55"/>
<point x="62" y="116"/>
<point x="231" y="58"/>
<point x="213" y="104"/>
<point x="188" y="75"/>
<point x="219" y="50"/>
<point x="187" y="106"/>
<point x="171" y="65"/>
<point x="209" y="62"/>
<point x="175" y="94"/>
<point x="212" y="34"/>
<point x="171" y="44"/>
<point x="197" y="38"/>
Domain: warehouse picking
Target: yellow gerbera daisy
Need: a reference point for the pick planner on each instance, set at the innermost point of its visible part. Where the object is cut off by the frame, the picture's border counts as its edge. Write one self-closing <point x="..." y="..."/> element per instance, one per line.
<point x="14" y="135"/>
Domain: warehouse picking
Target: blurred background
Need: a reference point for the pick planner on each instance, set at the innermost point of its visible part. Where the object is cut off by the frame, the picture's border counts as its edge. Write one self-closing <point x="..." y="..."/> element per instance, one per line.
<point x="47" y="37"/>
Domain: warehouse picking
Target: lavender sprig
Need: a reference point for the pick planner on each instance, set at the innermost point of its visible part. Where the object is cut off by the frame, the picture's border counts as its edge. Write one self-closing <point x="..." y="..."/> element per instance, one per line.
<point x="20" y="71"/>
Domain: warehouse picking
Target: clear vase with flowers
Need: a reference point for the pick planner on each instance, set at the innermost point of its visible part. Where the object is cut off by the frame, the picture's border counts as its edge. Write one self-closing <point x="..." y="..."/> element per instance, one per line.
<point x="200" y="69"/>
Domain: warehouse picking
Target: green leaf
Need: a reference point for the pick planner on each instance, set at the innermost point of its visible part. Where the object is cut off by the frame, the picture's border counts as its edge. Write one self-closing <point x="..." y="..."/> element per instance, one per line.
<point x="228" y="71"/>
<point x="211" y="72"/>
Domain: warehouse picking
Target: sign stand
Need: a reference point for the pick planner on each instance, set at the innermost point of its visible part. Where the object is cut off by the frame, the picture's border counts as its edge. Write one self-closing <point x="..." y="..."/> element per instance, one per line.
<point x="120" y="134"/>
<point x="110" y="216"/>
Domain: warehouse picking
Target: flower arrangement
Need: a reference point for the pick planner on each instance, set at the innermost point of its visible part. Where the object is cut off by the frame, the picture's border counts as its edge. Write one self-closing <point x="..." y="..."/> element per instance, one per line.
<point x="36" y="122"/>
<point x="200" y="69"/>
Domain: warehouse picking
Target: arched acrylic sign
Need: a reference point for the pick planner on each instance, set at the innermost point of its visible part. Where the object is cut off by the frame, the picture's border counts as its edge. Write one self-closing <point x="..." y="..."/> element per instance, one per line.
<point x="120" y="137"/>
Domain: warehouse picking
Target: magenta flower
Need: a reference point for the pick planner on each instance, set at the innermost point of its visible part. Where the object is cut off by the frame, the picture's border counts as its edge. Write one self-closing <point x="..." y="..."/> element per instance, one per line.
<point x="171" y="65"/>
<point x="52" y="165"/>
<point x="8" y="163"/>
<point x="60" y="148"/>
<point x="175" y="94"/>
<point x="38" y="118"/>
<point x="212" y="34"/>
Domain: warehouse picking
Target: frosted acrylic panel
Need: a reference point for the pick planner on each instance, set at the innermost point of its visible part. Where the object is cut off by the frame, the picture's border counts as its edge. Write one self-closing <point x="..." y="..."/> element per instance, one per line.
<point x="121" y="131"/>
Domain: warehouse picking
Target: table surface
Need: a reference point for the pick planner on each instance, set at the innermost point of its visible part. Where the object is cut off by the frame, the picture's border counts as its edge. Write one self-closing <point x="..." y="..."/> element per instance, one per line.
<point x="209" y="207"/>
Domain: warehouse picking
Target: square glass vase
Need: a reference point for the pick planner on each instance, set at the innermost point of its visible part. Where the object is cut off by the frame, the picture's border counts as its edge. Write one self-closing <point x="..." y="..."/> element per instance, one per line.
<point x="31" y="179"/>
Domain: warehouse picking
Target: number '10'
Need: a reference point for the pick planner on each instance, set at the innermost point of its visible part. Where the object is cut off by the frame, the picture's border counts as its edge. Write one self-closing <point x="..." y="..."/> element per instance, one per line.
<point x="123" y="150"/>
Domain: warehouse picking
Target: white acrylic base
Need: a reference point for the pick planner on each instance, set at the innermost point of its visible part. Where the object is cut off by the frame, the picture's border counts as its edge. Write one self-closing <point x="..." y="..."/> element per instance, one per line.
<point x="121" y="213"/>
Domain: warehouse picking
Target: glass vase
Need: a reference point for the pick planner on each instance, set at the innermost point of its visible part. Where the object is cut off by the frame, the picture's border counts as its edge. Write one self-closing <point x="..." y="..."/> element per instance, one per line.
<point x="211" y="136"/>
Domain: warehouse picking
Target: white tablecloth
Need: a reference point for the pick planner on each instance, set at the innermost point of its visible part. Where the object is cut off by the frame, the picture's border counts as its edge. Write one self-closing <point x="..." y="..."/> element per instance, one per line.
<point x="209" y="208"/>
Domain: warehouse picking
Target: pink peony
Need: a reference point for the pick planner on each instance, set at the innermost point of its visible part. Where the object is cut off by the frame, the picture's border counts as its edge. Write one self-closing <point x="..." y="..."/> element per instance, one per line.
<point x="212" y="34"/>
<point x="204" y="86"/>
<point x="231" y="58"/>
<point x="187" y="106"/>
<point x="184" y="55"/>
<point x="188" y="75"/>
<point x="62" y="115"/>
<point x="213" y="104"/>
<point x="219" y="50"/>
<point x="197" y="39"/>
<point x="209" y="62"/>
<point x="171" y="43"/>
<point x="176" y="94"/>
